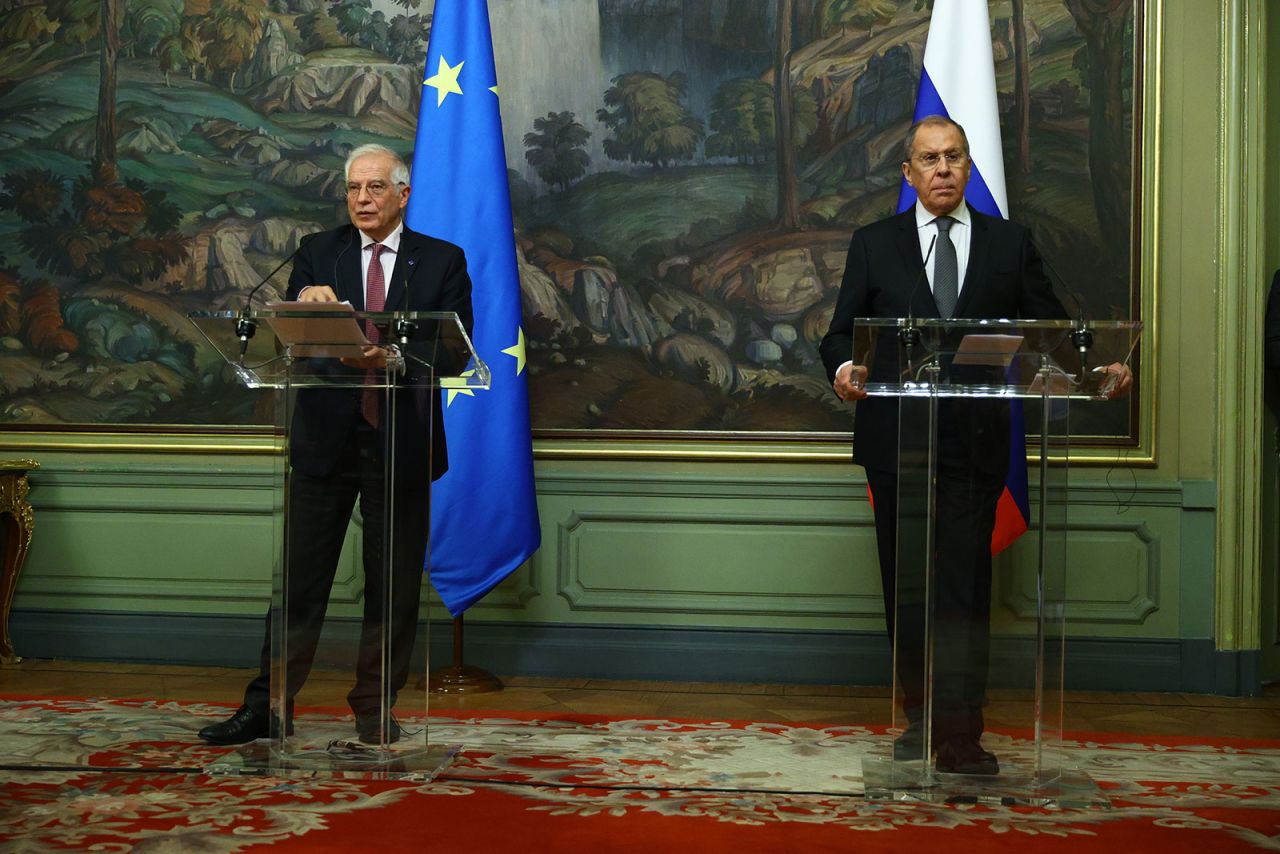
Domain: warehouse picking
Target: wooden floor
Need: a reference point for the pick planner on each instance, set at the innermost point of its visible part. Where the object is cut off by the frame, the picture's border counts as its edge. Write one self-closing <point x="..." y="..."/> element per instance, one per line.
<point x="1085" y="711"/>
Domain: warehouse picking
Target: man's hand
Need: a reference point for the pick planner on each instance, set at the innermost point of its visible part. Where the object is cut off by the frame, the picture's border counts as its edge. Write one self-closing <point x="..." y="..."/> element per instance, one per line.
<point x="1118" y="382"/>
<point x="851" y="382"/>
<point x="374" y="357"/>
<point x="317" y="293"/>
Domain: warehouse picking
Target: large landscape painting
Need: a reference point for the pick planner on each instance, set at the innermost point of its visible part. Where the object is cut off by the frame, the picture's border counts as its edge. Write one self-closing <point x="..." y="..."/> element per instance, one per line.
<point x="681" y="218"/>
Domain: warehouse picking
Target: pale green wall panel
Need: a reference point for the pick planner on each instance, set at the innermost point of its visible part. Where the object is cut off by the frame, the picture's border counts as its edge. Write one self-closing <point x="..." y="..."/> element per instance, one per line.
<point x="1112" y="581"/>
<point x="664" y="548"/>
<point x="689" y="561"/>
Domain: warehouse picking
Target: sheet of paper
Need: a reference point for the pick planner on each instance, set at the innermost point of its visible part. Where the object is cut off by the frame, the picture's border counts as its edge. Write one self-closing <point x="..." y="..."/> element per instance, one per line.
<point x="329" y="330"/>
<point x="994" y="350"/>
<point x="1059" y="384"/>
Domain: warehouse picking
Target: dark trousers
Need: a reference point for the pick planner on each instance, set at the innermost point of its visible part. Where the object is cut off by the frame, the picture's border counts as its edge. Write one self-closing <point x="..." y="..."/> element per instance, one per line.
<point x="961" y="591"/>
<point x="319" y="511"/>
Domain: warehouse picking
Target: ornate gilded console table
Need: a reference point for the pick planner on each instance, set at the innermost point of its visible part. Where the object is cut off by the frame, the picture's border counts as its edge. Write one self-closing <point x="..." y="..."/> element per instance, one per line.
<point x="17" y="519"/>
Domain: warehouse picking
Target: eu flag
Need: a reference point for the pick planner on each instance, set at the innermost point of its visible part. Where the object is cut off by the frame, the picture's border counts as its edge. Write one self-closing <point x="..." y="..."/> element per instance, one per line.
<point x="484" y="517"/>
<point x="958" y="81"/>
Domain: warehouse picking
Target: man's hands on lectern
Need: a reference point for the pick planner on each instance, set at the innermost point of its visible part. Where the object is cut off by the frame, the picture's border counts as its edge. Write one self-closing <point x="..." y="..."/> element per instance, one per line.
<point x="374" y="357"/>
<point x="851" y="382"/>
<point x="1119" y="381"/>
<point x="317" y="293"/>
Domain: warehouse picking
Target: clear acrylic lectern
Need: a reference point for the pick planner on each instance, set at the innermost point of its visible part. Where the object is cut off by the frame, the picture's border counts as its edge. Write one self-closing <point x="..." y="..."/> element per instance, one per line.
<point x="969" y="395"/>
<point x="297" y="354"/>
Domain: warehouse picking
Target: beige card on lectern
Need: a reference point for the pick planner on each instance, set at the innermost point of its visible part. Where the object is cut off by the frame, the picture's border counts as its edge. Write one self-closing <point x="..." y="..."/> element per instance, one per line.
<point x="994" y="350"/>
<point x="325" y="330"/>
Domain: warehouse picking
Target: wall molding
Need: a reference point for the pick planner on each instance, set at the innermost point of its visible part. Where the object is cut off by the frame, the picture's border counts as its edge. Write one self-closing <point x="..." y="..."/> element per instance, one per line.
<point x="1018" y="589"/>
<point x="631" y="652"/>
<point x="1241" y="295"/>
<point x="586" y="593"/>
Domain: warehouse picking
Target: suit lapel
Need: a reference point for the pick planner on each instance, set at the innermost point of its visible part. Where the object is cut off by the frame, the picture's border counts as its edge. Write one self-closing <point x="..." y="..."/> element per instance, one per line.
<point x="350" y="284"/>
<point x="975" y="273"/>
<point x="918" y="301"/>
<point x="406" y="266"/>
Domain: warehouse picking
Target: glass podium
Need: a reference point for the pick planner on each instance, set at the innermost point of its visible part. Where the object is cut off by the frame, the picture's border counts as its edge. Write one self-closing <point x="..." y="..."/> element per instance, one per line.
<point x="301" y="357"/>
<point x="969" y="396"/>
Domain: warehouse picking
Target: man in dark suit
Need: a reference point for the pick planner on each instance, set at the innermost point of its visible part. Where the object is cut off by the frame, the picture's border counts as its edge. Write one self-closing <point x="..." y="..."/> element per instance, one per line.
<point x="338" y="446"/>
<point x="979" y="267"/>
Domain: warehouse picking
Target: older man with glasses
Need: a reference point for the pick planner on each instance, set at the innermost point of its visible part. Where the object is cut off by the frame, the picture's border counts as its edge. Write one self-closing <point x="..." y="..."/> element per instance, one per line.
<point x="940" y="259"/>
<point x="337" y="449"/>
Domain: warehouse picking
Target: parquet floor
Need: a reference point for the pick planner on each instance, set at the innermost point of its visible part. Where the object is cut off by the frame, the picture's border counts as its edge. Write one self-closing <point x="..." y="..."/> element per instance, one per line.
<point x="1085" y="711"/>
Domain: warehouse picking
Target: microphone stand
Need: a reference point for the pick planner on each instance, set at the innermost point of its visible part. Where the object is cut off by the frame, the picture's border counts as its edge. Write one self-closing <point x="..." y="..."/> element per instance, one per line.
<point x="1081" y="334"/>
<point x="246" y="326"/>
<point x="909" y="335"/>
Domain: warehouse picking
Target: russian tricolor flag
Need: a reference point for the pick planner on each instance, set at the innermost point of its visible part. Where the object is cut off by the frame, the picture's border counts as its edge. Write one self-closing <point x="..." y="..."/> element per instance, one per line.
<point x="959" y="81"/>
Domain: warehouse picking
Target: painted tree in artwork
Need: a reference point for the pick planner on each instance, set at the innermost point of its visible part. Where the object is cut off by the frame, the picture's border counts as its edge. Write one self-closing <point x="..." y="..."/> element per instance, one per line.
<point x="184" y="49"/>
<point x="859" y="14"/>
<point x="352" y="16"/>
<point x="1021" y="86"/>
<point x="742" y="120"/>
<point x="555" y="148"/>
<point x="104" y="158"/>
<point x="648" y="118"/>
<point x="78" y="21"/>
<point x="28" y="24"/>
<point x="318" y="30"/>
<point x="788" y="185"/>
<point x="1105" y="26"/>
<point x="147" y="23"/>
<point x="230" y="34"/>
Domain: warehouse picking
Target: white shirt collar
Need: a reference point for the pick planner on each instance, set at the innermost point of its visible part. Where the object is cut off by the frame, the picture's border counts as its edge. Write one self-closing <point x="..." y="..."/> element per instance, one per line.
<point x="960" y="214"/>
<point x="391" y="241"/>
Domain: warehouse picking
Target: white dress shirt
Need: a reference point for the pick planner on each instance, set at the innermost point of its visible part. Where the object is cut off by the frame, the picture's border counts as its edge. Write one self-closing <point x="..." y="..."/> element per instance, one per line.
<point x="961" y="231"/>
<point x="391" y="245"/>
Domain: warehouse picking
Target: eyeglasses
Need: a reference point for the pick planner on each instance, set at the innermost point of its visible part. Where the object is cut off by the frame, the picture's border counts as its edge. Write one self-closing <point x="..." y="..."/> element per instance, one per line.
<point x="931" y="159"/>
<point x="374" y="188"/>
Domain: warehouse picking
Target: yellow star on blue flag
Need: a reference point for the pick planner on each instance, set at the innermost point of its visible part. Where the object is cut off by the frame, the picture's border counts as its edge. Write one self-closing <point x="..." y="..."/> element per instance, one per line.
<point x="445" y="80"/>
<point x="516" y="350"/>
<point x="455" y="386"/>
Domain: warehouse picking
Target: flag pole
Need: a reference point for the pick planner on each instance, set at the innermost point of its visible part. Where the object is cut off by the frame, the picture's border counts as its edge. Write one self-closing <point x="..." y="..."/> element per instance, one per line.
<point x="460" y="678"/>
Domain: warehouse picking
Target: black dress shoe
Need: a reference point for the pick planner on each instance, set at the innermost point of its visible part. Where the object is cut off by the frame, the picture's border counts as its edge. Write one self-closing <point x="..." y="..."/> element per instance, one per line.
<point x="242" y="727"/>
<point x="964" y="755"/>
<point x="910" y="745"/>
<point x="368" y="728"/>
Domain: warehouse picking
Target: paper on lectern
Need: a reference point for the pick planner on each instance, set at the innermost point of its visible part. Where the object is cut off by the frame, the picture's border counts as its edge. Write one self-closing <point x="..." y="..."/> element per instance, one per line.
<point x="320" y="329"/>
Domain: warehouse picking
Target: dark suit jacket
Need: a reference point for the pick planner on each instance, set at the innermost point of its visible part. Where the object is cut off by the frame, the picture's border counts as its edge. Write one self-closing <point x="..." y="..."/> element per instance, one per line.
<point x="429" y="275"/>
<point x="884" y="277"/>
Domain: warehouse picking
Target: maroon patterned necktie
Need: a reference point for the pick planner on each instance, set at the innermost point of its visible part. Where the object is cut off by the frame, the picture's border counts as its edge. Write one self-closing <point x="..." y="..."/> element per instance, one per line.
<point x="375" y="299"/>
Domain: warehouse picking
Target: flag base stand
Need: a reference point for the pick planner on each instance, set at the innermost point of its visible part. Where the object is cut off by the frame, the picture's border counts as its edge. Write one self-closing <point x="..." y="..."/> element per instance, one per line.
<point x="460" y="678"/>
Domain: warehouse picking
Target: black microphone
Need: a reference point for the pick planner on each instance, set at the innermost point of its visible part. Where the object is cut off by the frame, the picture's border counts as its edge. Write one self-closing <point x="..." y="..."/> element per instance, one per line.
<point x="247" y="326"/>
<point x="406" y="329"/>
<point x="350" y="239"/>
<point x="1081" y="335"/>
<point x="910" y="336"/>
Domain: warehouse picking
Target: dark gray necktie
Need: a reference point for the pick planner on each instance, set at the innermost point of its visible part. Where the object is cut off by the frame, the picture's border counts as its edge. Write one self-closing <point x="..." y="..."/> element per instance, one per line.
<point x="946" y="270"/>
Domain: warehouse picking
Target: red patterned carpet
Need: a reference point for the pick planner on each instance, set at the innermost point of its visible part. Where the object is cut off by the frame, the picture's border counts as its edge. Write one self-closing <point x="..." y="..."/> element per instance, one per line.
<point x="586" y="783"/>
